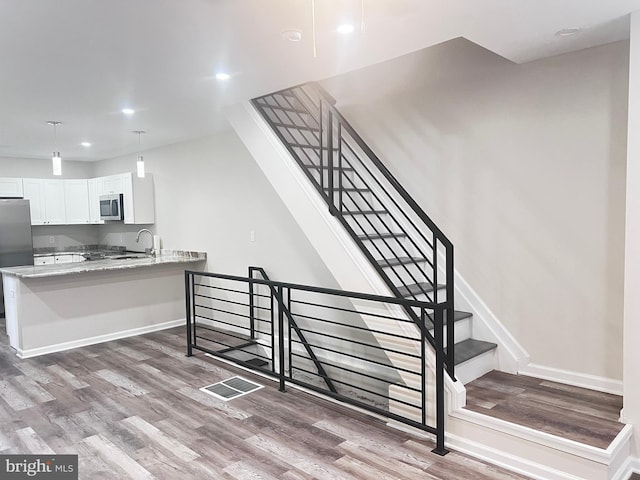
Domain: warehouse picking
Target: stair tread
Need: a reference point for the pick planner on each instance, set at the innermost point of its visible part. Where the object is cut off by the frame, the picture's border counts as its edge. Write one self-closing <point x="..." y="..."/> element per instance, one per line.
<point x="377" y="236"/>
<point x="315" y="147"/>
<point x="298" y="127"/>
<point x="470" y="348"/>
<point x="349" y="189"/>
<point x="281" y="108"/>
<point x="457" y="316"/>
<point x="417" y="288"/>
<point x="392" y="262"/>
<point x="323" y="167"/>
<point x="365" y="212"/>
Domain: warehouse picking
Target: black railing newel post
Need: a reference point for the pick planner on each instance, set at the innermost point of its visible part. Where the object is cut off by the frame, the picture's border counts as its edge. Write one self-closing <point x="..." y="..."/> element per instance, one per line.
<point x="252" y="319"/>
<point x="438" y="324"/>
<point x="332" y="203"/>
<point x="423" y="362"/>
<point x="281" y="362"/>
<point x="187" y="295"/>
<point x="321" y="150"/>
<point x="450" y="313"/>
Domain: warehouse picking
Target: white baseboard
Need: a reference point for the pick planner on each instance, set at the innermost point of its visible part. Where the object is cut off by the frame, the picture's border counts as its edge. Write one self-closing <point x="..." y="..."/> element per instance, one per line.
<point x="630" y="466"/>
<point x="60" y="347"/>
<point x="592" y="382"/>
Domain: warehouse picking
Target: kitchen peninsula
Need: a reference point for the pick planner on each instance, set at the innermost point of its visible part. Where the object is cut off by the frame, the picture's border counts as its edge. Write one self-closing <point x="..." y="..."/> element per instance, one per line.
<point x="56" y="307"/>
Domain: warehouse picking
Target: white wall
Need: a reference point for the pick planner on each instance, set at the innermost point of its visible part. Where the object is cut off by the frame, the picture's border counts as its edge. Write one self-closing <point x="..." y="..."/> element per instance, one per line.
<point x="631" y="410"/>
<point x="209" y="195"/>
<point x="523" y="167"/>
<point x="41" y="168"/>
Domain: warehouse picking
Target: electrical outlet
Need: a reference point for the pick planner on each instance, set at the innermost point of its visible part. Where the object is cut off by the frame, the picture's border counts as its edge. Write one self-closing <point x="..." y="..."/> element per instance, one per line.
<point x="12" y="294"/>
<point x="252" y="235"/>
<point x="52" y="239"/>
<point x="121" y="239"/>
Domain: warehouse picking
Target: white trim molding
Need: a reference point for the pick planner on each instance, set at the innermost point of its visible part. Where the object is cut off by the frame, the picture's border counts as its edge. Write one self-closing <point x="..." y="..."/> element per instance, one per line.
<point x="60" y="347"/>
<point x="584" y="380"/>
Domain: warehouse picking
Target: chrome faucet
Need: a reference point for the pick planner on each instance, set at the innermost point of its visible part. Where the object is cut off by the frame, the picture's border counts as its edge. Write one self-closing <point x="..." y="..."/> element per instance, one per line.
<point x="151" y="250"/>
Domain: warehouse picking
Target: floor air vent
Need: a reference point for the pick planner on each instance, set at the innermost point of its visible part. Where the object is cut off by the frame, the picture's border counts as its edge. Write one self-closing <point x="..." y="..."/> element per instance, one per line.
<point x="234" y="387"/>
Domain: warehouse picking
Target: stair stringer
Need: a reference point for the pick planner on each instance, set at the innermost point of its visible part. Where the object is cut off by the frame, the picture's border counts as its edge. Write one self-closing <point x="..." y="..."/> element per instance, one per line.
<point x="341" y="255"/>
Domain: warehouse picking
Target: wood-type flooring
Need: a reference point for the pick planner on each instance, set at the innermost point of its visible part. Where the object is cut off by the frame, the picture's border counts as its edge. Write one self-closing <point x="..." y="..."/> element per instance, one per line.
<point x="132" y="409"/>
<point x="585" y="416"/>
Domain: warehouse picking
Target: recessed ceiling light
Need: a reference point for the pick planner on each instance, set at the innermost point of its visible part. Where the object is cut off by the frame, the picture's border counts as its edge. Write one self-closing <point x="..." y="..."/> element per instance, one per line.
<point x="567" y="32"/>
<point x="222" y="76"/>
<point x="86" y="144"/>
<point x="291" y="35"/>
<point x="128" y="111"/>
<point x="346" y="28"/>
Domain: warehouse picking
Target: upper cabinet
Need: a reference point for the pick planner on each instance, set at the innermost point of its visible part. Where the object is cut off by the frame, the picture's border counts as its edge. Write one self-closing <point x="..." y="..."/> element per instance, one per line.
<point x="139" y="205"/>
<point x="95" y="190"/>
<point x="46" y="198"/>
<point x="11" y="187"/>
<point x="76" y="202"/>
<point x="112" y="184"/>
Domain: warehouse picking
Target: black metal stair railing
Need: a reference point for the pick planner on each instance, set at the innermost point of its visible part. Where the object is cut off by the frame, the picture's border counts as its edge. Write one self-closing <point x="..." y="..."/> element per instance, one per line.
<point x="333" y="342"/>
<point x="400" y="240"/>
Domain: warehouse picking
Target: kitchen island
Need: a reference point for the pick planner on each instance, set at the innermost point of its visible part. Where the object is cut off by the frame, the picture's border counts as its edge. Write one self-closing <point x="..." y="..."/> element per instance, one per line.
<point x="50" y="308"/>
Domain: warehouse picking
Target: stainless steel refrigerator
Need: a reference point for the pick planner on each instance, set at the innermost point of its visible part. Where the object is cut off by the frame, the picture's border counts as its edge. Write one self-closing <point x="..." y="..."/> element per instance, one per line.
<point x="16" y="242"/>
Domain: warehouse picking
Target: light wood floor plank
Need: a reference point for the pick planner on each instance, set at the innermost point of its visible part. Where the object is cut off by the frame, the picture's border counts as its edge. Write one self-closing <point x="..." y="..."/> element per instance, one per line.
<point x="116" y="458"/>
<point x="32" y="441"/>
<point x="132" y="409"/>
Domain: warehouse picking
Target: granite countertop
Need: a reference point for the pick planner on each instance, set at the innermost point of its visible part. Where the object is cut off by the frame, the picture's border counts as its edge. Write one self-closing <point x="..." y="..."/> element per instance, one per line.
<point x="59" y="269"/>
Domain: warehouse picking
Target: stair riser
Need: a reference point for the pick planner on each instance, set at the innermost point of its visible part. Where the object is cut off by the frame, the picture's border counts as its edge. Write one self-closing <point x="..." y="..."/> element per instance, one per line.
<point x="476" y="367"/>
<point x="302" y="137"/>
<point x="461" y="331"/>
<point x="387" y="248"/>
<point x="291" y="118"/>
<point x="407" y="274"/>
<point x="371" y="224"/>
<point x="347" y="179"/>
<point x="359" y="201"/>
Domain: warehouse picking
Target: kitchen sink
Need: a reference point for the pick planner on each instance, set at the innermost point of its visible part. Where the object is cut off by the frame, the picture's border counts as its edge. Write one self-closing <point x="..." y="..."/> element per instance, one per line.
<point x="128" y="256"/>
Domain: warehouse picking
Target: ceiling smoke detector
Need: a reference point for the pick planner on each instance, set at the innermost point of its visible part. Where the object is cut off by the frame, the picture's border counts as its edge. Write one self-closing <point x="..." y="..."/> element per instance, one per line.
<point x="567" y="32"/>
<point x="291" y="35"/>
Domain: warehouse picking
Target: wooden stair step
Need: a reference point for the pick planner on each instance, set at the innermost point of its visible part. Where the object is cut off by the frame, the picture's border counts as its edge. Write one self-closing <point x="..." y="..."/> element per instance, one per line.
<point x="393" y="262"/>
<point x="470" y="348"/>
<point x="378" y="236"/>
<point x="297" y="127"/>
<point x="457" y="316"/>
<point x="417" y="288"/>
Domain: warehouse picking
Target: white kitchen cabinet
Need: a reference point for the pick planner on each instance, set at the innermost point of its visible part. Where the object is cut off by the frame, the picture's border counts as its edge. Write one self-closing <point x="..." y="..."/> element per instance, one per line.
<point x="112" y="184"/>
<point x="10" y="187"/>
<point x="59" y="258"/>
<point x="139" y="202"/>
<point x="66" y="258"/>
<point x="34" y="192"/>
<point x="95" y="190"/>
<point x="44" y="260"/>
<point x="76" y="202"/>
<point x="46" y="198"/>
<point x="54" y="204"/>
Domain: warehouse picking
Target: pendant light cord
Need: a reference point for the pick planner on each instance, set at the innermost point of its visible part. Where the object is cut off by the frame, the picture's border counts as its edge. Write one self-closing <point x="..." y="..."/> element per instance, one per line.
<point x="313" y="27"/>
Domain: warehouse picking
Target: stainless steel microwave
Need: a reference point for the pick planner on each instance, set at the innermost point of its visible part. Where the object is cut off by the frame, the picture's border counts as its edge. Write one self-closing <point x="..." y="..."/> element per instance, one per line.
<point x="111" y="207"/>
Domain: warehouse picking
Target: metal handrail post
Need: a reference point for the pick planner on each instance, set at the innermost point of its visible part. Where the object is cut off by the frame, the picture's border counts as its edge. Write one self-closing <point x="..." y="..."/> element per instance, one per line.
<point x="438" y="324"/>
<point x="187" y="295"/>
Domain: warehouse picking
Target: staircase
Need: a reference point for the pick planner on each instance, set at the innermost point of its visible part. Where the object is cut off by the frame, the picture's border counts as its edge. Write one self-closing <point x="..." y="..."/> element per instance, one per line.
<point x="374" y="238"/>
<point x="409" y="252"/>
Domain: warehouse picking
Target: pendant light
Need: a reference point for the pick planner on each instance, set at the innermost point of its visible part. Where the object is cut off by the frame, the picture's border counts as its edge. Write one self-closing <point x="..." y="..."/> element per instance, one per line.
<point x="56" y="159"/>
<point x="140" y="162"/>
